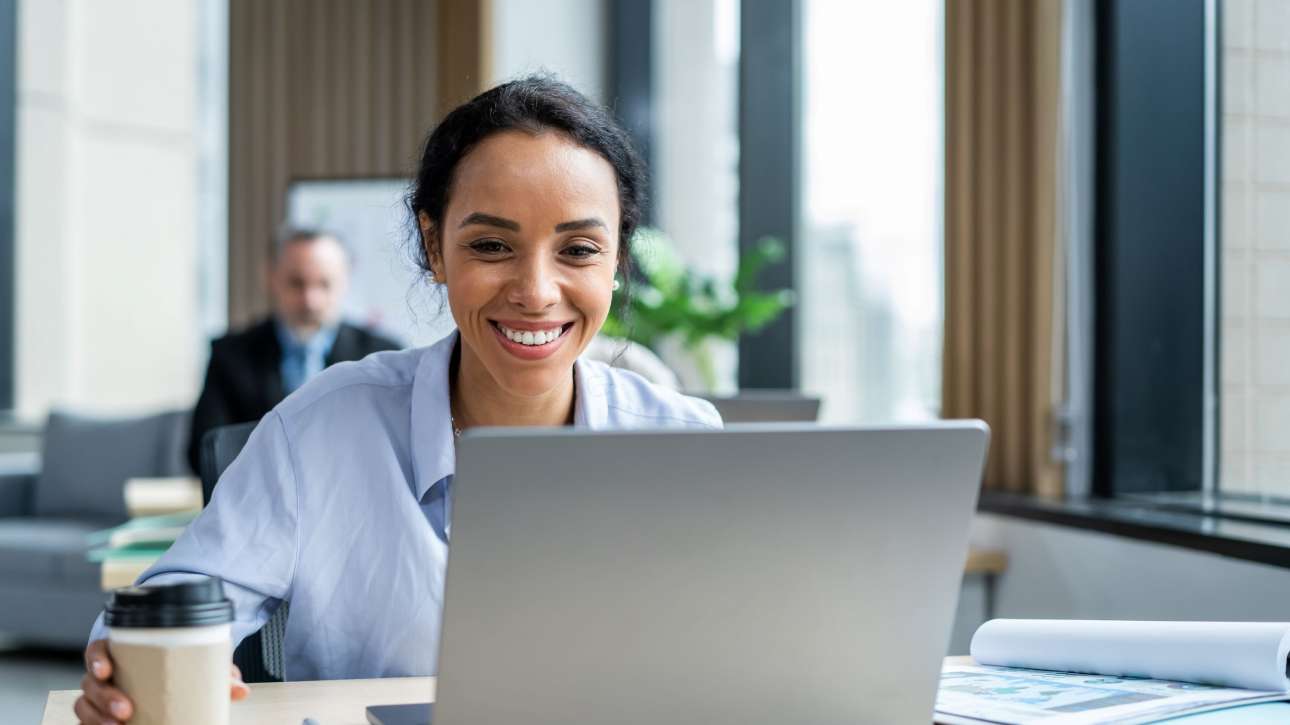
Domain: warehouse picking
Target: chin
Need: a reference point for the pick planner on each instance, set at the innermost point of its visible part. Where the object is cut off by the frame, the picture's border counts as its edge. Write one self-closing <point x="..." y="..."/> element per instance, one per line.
<point x="533" y="383"/>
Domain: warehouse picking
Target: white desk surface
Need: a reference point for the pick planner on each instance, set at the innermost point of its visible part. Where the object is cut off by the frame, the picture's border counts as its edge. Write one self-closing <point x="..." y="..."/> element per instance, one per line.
<point x="335" y="702"/>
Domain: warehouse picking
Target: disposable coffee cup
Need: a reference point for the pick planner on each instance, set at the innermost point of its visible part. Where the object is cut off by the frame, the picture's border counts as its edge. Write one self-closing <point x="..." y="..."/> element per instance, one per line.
<point x="171" y="649"/>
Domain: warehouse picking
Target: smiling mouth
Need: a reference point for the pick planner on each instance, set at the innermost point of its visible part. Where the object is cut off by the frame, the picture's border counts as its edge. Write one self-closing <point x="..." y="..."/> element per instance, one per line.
<point x="532" y="338"/>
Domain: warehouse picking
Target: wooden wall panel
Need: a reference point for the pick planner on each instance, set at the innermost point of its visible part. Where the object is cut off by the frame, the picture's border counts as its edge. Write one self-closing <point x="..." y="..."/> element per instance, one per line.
<point x="333" y="89"/>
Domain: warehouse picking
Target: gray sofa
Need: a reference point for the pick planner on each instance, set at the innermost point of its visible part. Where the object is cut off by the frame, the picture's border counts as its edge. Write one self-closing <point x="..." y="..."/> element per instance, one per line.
<point x="49" y="592"/>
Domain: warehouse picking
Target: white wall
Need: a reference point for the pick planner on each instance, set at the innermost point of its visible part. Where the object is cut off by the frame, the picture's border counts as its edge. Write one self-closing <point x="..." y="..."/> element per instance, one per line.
<point x="566" y="37"/>
<point x="1062" y="572"/>
<point x="106" y="203"/>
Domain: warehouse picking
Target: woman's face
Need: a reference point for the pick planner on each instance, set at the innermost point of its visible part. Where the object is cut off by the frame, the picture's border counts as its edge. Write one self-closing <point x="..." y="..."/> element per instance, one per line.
<point x="527" y="250"/>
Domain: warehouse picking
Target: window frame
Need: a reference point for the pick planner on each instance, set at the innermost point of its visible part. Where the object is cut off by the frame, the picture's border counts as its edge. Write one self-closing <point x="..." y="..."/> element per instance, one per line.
<point x="1154" y="367"/>
<point x="631" y="79"/>
<point x="770" y="67"/>
<point x="8" y="149"/>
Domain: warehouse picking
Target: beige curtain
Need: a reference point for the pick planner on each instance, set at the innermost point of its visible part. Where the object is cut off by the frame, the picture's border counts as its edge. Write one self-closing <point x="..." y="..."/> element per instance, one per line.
<point x="333" y="89"/>
<point x="1002" y="70"/>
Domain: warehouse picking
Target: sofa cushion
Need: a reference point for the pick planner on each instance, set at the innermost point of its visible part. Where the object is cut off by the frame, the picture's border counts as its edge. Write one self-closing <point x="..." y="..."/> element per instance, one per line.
<point x="43" y="551"/>
<point x="86" y="461"/>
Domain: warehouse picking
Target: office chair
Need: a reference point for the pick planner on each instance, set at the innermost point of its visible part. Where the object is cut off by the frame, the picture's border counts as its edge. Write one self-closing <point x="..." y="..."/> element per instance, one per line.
<point x="259" y="656"/>
<point x="763" y="406"/>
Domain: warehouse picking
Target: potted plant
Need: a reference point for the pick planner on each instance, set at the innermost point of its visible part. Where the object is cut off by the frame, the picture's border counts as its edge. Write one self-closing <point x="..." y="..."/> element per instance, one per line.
<point x="678" y="313"/>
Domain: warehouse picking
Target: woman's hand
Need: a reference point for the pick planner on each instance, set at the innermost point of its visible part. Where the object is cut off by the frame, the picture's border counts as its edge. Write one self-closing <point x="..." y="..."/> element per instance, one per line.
<point x="102" y="704"/>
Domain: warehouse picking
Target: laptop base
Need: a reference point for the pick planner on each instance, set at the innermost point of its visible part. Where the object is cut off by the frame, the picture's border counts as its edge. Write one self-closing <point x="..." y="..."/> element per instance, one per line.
<point x="417" y="713"/>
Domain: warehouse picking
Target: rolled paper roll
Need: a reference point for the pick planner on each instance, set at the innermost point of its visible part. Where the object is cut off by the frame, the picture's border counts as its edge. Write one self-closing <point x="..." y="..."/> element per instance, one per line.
<point x="1246" y="655"/>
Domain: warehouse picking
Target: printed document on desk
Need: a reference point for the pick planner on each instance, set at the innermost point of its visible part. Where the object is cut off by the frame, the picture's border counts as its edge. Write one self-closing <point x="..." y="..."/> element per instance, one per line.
<point x="973" y="694"/>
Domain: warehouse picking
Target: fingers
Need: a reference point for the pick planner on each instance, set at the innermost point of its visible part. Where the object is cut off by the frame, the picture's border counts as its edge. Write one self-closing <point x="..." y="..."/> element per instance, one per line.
<point x="105" y="699"/>
<point x="238" y="689"/>
<point x="97" y="660"/>
<point x="88" y="715"/>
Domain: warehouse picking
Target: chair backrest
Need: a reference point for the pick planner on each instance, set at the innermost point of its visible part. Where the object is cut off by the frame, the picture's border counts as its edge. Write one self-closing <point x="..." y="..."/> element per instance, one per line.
<point x="259" y="656"/>
<point x="219" y="447"/>
<point x="765" y="406"/>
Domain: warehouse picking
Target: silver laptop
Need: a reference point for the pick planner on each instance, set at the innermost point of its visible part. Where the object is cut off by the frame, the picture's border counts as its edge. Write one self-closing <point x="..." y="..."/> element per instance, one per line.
<point x="780" y="573"/>
<point x="758" y="406"/>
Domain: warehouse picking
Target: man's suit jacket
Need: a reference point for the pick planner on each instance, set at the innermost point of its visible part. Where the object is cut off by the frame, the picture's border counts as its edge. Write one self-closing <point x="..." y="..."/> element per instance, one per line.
<point x="244" y="377"/>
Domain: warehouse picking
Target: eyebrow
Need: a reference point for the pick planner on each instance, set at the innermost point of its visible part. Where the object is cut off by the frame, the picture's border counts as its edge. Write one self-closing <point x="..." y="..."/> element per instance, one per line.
<point x="574" y="226"/>
<point x="496" y="221"/>
<point x="489" y="220"/>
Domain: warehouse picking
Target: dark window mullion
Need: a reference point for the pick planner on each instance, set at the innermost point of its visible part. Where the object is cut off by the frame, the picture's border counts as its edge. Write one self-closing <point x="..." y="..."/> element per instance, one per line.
<point x="1149" y="371"/>
<point x="8" y="279"/>
<point x="770" y="70"/>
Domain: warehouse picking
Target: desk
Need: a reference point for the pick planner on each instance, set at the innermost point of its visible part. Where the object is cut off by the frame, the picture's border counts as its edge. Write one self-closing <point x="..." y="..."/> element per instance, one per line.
<point x="989" y="564"/>
<point x="343" y="702"/>
<point x="337" y="702"/>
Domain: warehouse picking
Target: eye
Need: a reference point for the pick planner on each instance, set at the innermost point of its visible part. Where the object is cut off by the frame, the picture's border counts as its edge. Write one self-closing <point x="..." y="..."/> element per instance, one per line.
<point x="581" y="251"/>
<point x="488" y="247"/>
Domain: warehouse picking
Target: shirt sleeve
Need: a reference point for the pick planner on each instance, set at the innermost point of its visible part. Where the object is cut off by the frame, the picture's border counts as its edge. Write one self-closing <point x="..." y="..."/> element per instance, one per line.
<point x="248" y="535"/>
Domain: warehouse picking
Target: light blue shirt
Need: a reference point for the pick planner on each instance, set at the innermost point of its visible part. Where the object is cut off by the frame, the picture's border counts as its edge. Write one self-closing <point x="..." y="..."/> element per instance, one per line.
<point x="338" y="504"/>
<point x="303" y="359"/>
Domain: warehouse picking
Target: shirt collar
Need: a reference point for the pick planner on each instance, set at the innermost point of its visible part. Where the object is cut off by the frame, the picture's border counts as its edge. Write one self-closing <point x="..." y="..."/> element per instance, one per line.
<point x="434" y="455"/>
<point x="321" y="341"/>
<point x="591" y="401"/>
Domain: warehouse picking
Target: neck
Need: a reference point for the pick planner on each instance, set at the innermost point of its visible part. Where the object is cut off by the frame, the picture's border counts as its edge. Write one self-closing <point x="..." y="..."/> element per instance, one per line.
<point x="477" y="399"/>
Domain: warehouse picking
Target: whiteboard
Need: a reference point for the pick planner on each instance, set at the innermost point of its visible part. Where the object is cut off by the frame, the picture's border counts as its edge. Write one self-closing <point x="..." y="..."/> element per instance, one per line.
<point x="387" y="290"/>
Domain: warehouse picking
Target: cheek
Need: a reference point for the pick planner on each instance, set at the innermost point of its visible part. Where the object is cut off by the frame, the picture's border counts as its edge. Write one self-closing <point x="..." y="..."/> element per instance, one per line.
<point x="594" y="296"/>
<point x="471" y="286"/>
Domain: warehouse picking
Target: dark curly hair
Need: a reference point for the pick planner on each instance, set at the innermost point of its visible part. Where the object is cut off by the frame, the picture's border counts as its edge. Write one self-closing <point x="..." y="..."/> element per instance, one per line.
<point x="534" y="104"/>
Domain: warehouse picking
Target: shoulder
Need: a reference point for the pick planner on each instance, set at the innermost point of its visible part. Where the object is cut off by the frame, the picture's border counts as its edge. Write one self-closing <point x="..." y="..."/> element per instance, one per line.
<point x="634" y="401"/>
<point x="366" y="339"/>
<point x="355" y="386"/>
<point x="244" y="341"/>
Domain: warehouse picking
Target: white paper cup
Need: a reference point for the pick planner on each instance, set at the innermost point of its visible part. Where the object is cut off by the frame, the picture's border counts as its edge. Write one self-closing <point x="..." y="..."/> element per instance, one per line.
<point x="171" y="651"/>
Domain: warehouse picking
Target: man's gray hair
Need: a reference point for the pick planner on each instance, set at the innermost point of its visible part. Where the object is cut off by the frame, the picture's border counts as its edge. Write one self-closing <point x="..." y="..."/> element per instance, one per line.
<point x="293" y="235"/>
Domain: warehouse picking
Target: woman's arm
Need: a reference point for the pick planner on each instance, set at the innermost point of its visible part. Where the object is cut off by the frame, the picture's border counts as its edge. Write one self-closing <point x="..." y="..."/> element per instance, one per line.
<point x="248" y="535"/>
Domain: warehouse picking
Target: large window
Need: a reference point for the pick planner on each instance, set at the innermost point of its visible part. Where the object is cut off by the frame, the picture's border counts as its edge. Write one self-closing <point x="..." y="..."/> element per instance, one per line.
<point x="695" y="164"/>
<point x="869" y="246"/>
<point x="1255" y="243"/>
<point x="1193" y="239"/>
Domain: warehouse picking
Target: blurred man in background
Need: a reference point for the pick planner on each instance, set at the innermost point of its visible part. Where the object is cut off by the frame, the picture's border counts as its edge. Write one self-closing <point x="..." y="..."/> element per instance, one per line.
<point x="253" y="370"/>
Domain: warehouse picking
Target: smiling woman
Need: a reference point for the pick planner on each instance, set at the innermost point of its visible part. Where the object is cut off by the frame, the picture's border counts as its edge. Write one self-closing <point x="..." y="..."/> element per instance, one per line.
<point x="524" y="206"/>
<point x="529" y="285"/>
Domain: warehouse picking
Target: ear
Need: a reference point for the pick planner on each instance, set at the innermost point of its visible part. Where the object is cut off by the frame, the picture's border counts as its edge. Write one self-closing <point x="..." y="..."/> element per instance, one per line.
<point x="433" y="246"/>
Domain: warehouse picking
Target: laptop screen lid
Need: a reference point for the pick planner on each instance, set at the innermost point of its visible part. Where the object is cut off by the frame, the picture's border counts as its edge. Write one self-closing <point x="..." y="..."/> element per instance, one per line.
<point x="770" y="573"/>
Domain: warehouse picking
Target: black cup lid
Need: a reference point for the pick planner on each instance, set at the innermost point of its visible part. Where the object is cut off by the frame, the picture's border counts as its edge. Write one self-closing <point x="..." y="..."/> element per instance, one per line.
<point x="183" y="604"/>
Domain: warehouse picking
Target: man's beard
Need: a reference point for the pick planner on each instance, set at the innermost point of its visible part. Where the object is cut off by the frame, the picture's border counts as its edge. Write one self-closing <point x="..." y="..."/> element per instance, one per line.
<point x="303" y="330"/>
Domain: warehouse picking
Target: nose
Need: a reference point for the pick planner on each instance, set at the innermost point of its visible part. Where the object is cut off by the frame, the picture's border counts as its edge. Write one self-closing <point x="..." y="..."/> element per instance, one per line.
<point x="315" y="298"/>
<point x="535" y="287"/>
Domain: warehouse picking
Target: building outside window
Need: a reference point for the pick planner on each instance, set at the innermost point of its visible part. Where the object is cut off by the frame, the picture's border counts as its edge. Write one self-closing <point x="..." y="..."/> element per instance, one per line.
<point x="1255" y="242"/>
<point x="869" y="247"/>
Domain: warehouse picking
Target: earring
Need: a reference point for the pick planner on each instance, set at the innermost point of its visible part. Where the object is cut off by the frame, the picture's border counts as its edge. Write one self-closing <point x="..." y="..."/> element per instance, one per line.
<point x="617" y="285"/>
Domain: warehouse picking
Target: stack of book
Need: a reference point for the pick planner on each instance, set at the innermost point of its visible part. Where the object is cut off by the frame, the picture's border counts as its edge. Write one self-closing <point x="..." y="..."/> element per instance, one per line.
<point x="160" y="510"/>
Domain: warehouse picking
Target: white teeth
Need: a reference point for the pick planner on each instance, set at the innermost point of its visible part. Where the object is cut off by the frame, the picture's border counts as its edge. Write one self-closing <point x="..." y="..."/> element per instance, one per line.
<point x="529" y="337"/>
